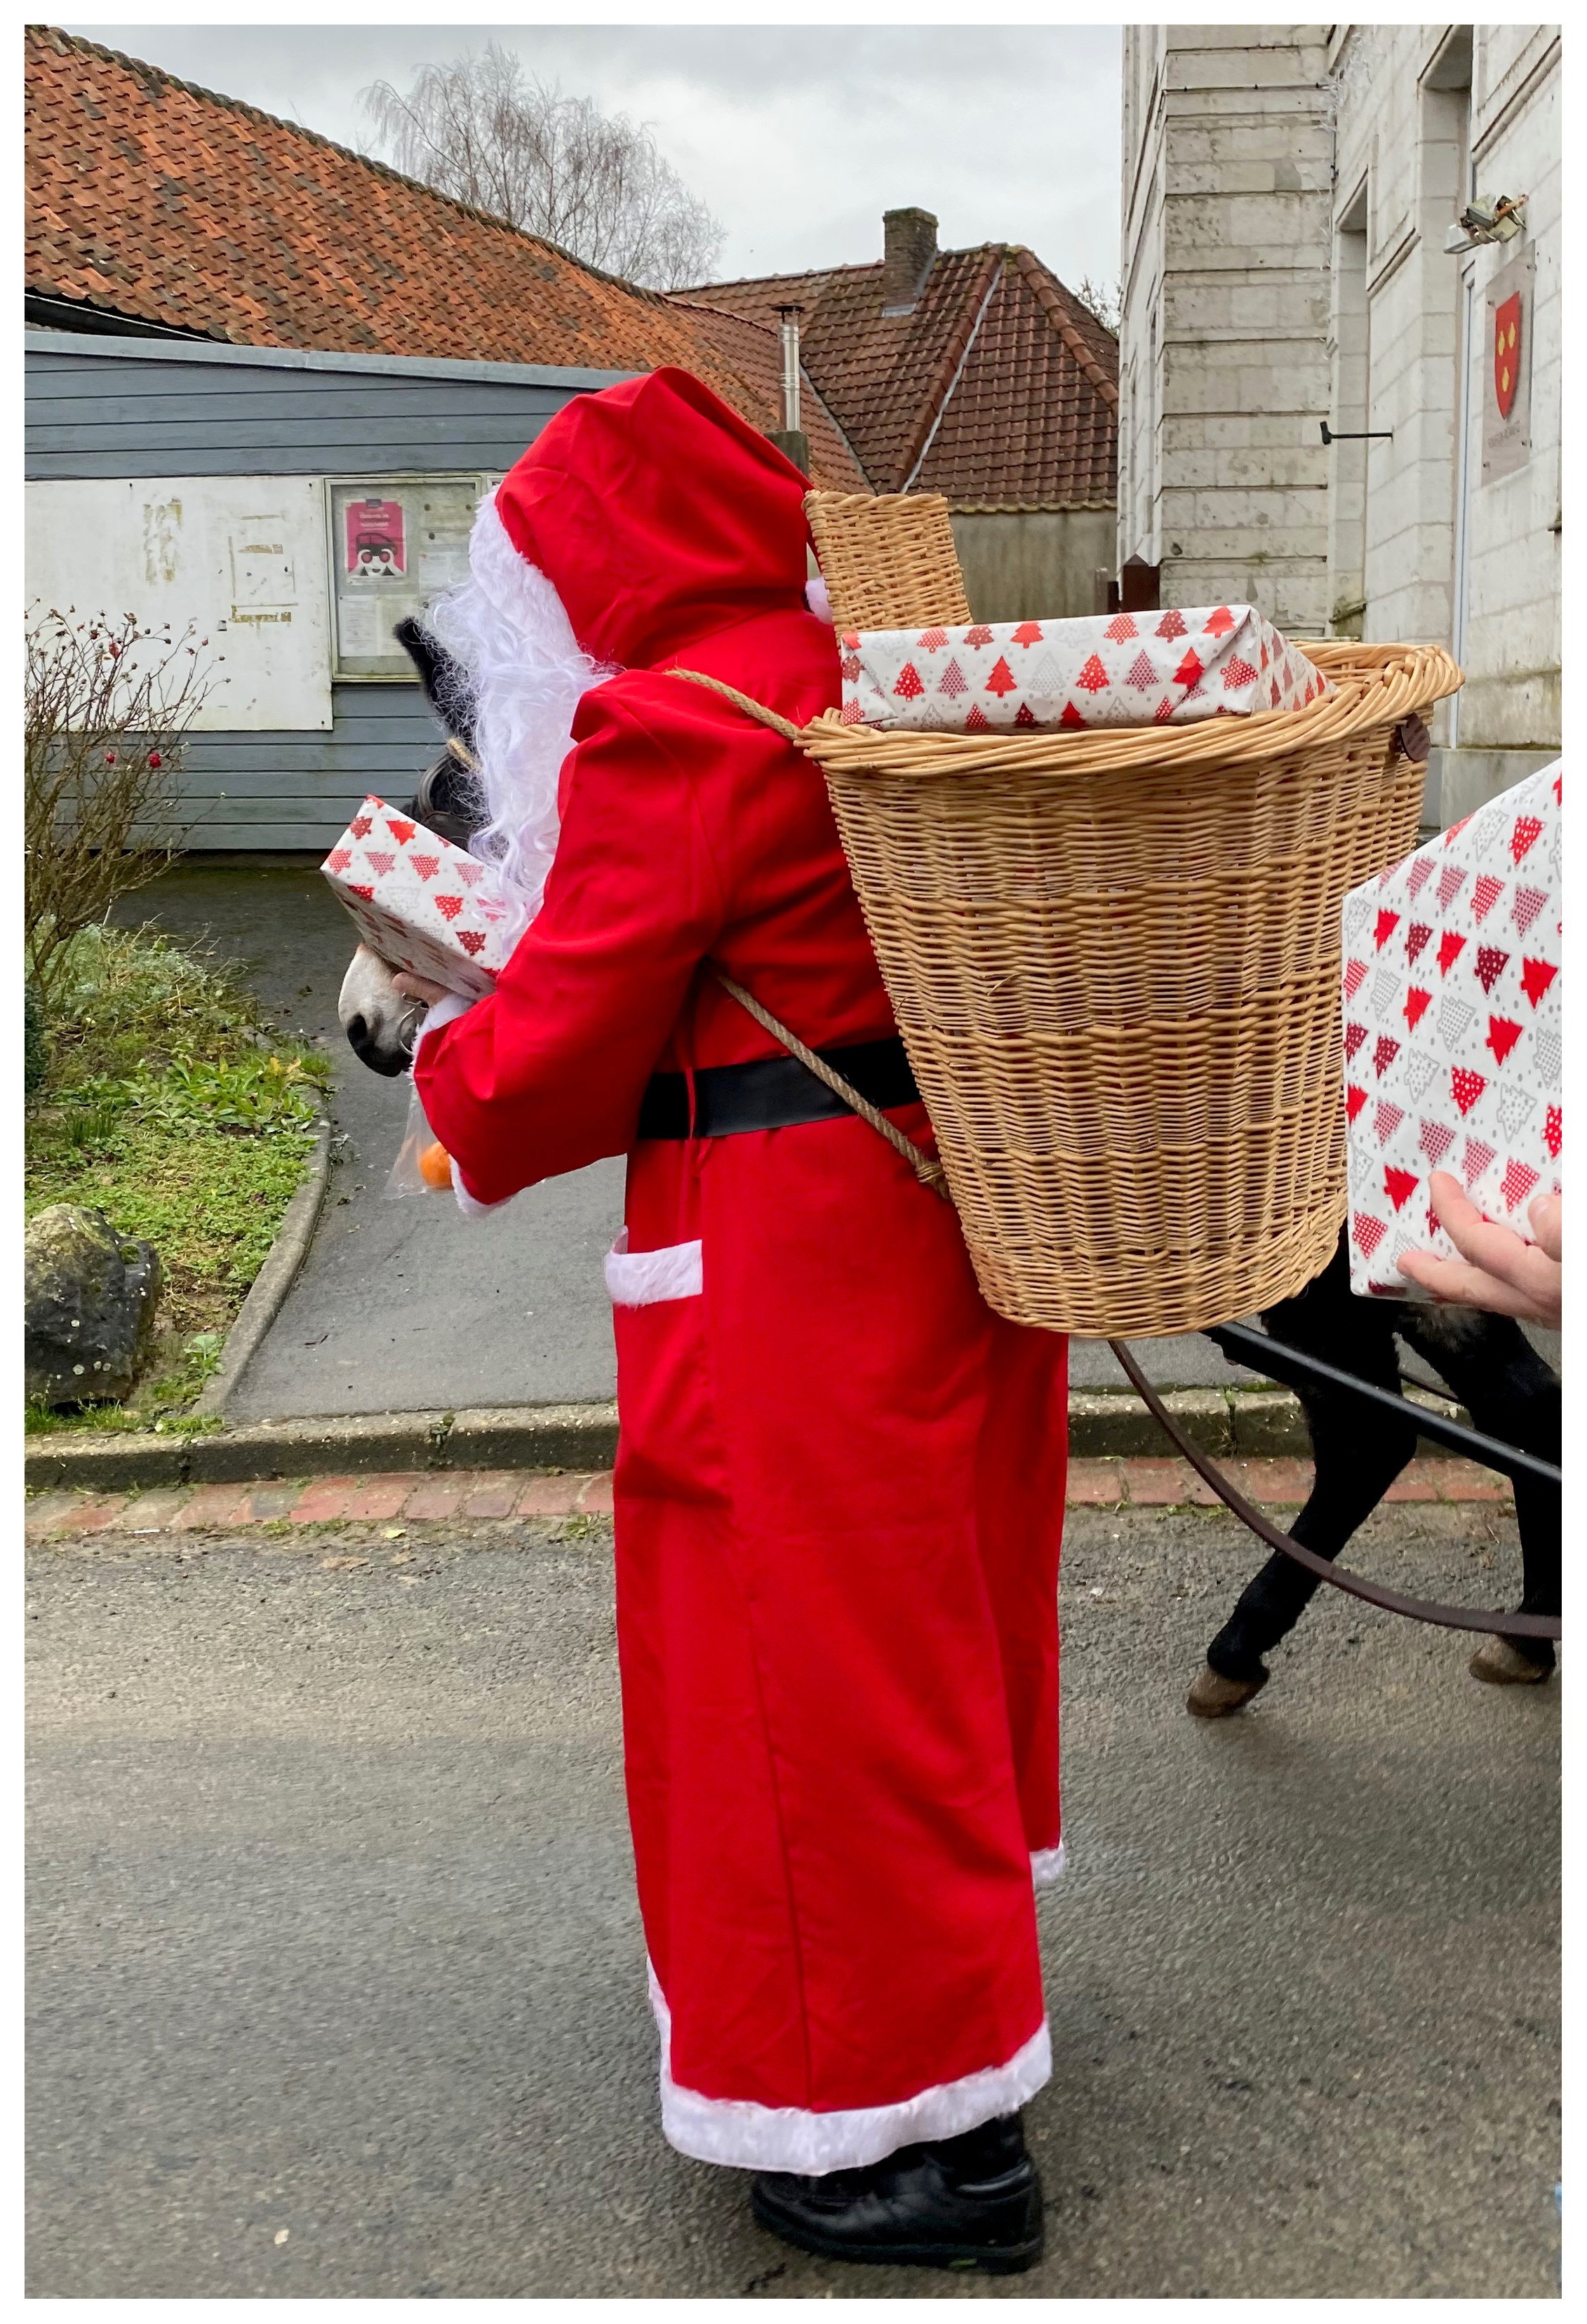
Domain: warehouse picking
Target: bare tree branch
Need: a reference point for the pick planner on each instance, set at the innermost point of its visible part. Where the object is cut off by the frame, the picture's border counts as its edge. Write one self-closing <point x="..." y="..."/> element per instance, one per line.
<point x="486" y="133"/>
<point x="1105" y="300"/>
<point x="106" y="704"/>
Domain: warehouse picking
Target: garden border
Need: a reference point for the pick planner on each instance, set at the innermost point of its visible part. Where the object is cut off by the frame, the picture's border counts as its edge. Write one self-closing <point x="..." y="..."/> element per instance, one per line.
<point x="274" y="1280"/>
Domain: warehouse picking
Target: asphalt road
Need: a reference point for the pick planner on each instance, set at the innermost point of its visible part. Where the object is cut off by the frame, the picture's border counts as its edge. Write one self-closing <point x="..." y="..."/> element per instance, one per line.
<point x="336" y="1984"/>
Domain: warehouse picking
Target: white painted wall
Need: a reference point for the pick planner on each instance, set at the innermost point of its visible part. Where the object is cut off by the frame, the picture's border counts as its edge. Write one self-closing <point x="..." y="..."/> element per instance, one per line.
<point x="240" y="560"/>
<point x="1225" y="197"/>
<point x="1286" y="192"/>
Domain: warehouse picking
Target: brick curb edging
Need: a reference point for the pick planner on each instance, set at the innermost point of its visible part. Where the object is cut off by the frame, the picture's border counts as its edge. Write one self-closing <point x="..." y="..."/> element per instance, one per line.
<point x="474" y="1495"/>
<point x="1238" y="1424"/>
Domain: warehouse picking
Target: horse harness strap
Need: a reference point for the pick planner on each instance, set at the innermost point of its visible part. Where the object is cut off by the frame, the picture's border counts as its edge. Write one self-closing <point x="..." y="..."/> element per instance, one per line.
<point x="1393" y="1601"/>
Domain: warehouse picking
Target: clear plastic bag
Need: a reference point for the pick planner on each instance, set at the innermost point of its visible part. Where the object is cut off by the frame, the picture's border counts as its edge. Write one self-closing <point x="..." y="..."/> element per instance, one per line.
<point x="421" y="1167"/>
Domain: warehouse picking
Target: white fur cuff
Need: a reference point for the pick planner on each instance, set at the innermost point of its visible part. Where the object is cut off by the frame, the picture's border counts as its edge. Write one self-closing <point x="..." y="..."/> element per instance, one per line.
<point x="444" y="1011"/>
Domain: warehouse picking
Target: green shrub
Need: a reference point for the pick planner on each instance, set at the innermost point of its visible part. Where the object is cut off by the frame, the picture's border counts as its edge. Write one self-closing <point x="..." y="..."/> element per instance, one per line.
<point x="176" y="1109"/>
<point x="129" y="999"/>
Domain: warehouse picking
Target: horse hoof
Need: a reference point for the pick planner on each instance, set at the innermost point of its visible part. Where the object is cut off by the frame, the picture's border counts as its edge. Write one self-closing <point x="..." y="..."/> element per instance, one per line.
<point x="1499" y="1664"/>
<point x="1213" y="1696"/>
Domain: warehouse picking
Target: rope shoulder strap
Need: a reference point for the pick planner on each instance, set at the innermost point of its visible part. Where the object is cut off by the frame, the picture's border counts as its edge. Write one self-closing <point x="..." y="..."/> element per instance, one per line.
<point x="744" y="702"/>
<point x="926" y="1167"/>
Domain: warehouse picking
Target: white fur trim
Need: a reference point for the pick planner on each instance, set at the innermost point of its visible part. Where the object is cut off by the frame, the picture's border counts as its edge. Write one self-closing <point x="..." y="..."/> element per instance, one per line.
<point x="749" y="2136"/>
<point x="444" y="1012"/>
<point x="508" y="627"/>
<point x="469" y="1204"/>
<point x="1047" y="1864"/>
<point x="816" y="598"/>
<point x="644" y="1278"/>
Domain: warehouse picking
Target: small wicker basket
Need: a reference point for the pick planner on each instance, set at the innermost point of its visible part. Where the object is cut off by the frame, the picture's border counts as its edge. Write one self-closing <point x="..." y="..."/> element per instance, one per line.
<point x="1114" y="958"/>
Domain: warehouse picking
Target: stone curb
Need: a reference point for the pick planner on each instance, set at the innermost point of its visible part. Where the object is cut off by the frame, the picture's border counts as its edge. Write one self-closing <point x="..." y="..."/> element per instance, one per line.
<point x="581" y="1437"/>
<point x="1243" y="1423"/>
<point x="274" y="1280"/>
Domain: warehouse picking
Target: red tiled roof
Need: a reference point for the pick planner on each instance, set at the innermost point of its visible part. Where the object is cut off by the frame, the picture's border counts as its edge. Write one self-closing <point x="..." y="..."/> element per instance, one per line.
<point x="152" y="199"/>
<point x="998" y="388"/>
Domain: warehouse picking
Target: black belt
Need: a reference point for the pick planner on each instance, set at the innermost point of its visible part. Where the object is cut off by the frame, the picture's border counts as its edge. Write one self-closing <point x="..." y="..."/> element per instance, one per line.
<point x="774" y="1092"/>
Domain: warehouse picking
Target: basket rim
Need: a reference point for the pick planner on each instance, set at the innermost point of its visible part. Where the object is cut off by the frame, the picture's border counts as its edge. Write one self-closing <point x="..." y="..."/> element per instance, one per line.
<point x="1373" y="686"/>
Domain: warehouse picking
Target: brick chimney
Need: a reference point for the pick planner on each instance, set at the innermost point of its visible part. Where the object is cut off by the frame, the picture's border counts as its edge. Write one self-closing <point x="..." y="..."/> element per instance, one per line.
<point x="909" y="252"/>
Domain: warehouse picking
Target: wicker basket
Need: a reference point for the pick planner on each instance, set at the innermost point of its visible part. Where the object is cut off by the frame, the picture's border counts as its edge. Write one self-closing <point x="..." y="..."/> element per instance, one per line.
<point x="1114" y="959"/>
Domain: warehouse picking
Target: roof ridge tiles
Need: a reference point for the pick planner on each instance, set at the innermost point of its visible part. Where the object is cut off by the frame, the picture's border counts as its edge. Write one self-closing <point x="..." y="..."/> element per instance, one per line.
<point x="1045" y="286"/>
<point x="950" y="364"/>
<point x="782" y="274"/>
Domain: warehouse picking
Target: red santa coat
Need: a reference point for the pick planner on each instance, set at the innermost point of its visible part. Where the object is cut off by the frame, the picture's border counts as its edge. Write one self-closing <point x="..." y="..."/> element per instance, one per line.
<point x="840" y="1480"/>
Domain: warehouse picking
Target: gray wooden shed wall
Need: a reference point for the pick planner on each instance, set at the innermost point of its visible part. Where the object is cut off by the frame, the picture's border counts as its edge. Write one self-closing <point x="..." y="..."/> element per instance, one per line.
<point x="114" y="408"/>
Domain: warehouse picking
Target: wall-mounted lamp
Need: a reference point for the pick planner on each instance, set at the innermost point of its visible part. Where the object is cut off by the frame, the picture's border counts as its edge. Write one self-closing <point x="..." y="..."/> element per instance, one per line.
<point x="1495" y="218"/>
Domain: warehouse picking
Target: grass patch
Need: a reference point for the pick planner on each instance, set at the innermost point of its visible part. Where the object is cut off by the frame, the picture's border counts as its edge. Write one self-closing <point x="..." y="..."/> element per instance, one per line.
<point x="171" y="1105"/>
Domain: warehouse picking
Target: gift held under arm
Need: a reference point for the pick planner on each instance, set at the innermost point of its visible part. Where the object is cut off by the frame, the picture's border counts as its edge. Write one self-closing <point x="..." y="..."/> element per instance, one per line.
<point x="547" y="1073"/>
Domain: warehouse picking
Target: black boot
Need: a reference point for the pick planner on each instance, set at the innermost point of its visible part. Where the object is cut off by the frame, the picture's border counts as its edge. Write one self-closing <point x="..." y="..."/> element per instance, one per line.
<point x="974" y="2201"/>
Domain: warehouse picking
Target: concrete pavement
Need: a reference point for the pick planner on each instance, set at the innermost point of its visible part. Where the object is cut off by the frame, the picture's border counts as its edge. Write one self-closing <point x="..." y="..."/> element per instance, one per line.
<point x="404" y="1306"/>
<point x="337" y="1981"/>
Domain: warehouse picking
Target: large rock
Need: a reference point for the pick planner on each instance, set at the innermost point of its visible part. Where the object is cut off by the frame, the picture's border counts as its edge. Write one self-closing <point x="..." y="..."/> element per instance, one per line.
<point x="90" y="1300"/>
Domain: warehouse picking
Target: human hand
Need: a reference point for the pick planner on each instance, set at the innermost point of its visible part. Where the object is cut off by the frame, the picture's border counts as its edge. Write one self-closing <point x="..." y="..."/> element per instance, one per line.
<point x="417" y="988"/>
<point x="1413" y="741"/>
<point x="1496" y="1270"/>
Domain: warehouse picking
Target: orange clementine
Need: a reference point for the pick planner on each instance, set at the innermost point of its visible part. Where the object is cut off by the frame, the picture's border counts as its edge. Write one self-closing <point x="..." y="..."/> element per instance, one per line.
<point x="435" y="1165"/>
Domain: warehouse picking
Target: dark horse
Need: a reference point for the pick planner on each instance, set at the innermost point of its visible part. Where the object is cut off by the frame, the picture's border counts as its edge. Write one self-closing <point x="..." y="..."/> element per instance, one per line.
<point x="1358" y="1449"/>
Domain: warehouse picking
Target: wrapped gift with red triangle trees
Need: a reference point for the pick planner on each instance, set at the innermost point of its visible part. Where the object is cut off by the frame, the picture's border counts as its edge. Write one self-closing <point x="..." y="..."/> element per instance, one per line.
<point x="423" y="904"/>
<point x="1453" y="1054"/>
<point x="1115" y="669"/>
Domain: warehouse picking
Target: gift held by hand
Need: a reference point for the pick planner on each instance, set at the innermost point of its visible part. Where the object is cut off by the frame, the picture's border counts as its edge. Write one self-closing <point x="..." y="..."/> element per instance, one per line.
<point x="1453" y="1032"/>
<point x="423" y="904"/>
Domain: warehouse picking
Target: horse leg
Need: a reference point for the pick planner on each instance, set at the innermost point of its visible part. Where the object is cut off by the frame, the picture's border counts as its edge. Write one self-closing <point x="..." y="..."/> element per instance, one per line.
<point x="1357" y="1452"/>
<point x="1511" y="1394"/>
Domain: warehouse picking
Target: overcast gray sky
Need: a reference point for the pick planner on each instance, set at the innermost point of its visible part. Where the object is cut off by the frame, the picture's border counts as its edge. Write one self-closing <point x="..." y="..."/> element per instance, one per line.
<point x="798" y="137"/>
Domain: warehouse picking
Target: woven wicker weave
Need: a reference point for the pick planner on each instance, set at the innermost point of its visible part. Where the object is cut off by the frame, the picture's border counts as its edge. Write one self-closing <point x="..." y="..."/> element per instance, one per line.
<point x="1114" y="959"/>
<point x="878" y="553"/>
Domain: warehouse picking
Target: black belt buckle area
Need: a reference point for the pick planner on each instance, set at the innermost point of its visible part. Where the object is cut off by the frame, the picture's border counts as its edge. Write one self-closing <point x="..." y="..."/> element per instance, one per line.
<point x="775" y="1093"/>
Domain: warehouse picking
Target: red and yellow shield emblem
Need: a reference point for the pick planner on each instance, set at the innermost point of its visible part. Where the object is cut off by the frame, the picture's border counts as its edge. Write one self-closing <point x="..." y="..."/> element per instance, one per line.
<point x="1507" y="352"/>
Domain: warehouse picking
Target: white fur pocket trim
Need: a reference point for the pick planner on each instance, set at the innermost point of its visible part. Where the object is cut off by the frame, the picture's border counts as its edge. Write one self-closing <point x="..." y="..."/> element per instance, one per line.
<point x="644" y="1278"/>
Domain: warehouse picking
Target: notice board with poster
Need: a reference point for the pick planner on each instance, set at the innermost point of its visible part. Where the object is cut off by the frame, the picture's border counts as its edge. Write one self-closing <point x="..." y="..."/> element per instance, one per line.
<point x="236" y="563"/>
<point x="396" y="542"/>
<point x="1507" y="383"/>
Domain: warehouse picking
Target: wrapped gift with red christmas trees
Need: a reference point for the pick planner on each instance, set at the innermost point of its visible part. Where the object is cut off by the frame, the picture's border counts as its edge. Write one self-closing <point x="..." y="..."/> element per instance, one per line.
<point x="1452" y="1054"/>
<point x="1120" y="670"/>
<point x="423" y="904"/>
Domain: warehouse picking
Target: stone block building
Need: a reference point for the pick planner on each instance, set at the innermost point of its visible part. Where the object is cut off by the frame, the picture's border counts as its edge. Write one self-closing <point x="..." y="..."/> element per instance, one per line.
<point x="1321" y="409"/>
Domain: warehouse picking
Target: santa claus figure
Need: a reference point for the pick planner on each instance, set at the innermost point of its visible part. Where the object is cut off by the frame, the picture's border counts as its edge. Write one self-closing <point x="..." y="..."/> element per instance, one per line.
<point x="840" y="1480"/>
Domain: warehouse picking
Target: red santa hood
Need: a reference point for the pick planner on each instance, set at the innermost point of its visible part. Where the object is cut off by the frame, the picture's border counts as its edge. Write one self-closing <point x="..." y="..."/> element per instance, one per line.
<point x="659" y="516"/>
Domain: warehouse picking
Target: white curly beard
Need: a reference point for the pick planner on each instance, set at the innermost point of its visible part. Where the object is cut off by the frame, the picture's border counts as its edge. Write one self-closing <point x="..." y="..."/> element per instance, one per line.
<point x="508" y="628"/>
